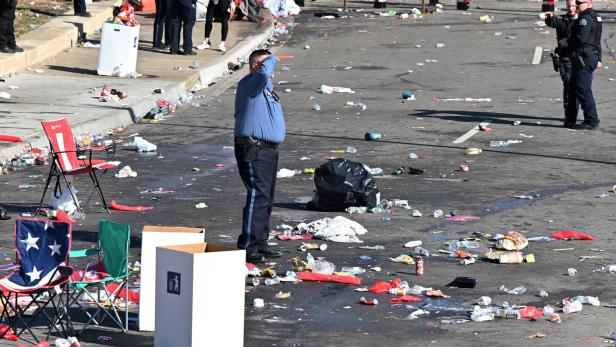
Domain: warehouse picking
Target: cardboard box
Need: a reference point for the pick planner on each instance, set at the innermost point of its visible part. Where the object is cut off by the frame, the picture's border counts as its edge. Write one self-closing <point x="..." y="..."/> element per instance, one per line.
<point x="118" y="52"/>
<point x="152" y="237"/>
<point x="200" y="295"/>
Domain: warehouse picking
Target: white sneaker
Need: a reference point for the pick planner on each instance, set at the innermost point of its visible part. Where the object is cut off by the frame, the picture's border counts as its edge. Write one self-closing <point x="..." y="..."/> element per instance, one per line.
<point x="222" y="47"/>
<point x="205" y="44"/>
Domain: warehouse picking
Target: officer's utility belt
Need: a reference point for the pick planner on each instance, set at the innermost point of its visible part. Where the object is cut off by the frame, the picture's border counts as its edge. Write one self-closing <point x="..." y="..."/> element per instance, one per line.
<point x="252" y="141"/>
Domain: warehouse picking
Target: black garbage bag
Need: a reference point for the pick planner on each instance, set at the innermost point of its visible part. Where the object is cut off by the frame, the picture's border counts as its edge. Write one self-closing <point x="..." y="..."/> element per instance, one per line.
<point x="341" y="183"/>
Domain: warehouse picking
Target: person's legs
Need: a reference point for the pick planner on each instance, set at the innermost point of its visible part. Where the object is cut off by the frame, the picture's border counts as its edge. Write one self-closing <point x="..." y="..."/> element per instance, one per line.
<point x="209" y="20"/>
<point x="188" y="22"/>
<point x="159" y="23"/>
<point x="174" y="26"/>
<point x="80" y="7"/>
<point x="4" y="24"/>
<point x="584" y="91"/>
<point x="566" y="74"/>
<point x="257" y="177"/>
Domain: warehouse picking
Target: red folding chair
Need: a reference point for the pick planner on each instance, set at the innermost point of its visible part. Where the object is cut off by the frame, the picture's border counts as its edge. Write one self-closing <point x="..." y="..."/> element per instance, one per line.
<point x="66" y="161"/>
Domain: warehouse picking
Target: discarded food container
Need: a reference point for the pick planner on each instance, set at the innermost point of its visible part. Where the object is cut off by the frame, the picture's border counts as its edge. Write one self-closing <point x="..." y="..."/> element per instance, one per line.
<point x="473" y="151"/>
<point x="372" y="136"/>
<point x="189" y="308"/>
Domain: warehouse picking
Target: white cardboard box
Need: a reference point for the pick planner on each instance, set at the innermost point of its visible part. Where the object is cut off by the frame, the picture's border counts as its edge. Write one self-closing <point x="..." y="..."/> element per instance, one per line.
<point x="200" y="295"/>
<point x="118" y="52"/>
<point x="152" y="237"/>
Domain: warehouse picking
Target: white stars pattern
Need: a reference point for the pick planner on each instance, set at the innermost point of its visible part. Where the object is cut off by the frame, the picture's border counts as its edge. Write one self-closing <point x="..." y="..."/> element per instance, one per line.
<point x="30" y="242"/>
<point x="34" y="275"/>
<point x="55" y="248"/>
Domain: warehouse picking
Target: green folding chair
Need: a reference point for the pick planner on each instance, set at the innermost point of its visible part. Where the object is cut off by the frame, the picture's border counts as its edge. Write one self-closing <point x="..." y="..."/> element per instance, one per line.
<point x="113" y="243"/>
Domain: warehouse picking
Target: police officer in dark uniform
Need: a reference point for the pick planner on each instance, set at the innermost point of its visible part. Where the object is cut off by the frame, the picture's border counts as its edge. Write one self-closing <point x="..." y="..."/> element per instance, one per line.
<point x="182" y="14"/>
<point x="562" y="55"/>
<point x="585" y="46"/>
<point x="161" y="24"/>
<point x="7" y="31"/>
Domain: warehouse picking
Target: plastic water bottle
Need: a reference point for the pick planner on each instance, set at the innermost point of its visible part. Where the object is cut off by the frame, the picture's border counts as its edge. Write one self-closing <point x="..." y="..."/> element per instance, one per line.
<point x="351" y="150"/>
<point x="355" y="270"/>
<point x="548" y="311"/>
<point x="498" y="143"/>
<point x="609" y="268"/>
<point x="272" y="281"/>
<point x="310" y="261"/>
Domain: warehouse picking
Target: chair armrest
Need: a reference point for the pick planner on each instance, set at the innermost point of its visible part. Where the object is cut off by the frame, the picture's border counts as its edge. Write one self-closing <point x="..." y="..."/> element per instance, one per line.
<point x="80" y="253"/>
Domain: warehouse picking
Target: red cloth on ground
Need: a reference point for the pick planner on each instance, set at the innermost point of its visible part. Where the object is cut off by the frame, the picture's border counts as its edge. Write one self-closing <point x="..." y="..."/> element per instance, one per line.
<point x="384" y="287"/>
<point x="404" y="298"/>
<point x="118" y="207"/>
<point x="571" y="235"/>
<point x="313" y="276"/>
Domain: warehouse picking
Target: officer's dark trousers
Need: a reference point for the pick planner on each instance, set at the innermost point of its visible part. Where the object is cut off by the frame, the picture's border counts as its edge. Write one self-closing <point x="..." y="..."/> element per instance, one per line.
<point x="7" y="18"/>
<point x="185" y="18"/>
<point x="582" y="90"/>
<point x="259" y="177"/>
<point x="566" y="74"/>
<point x="79" y="6"/>
<point x="161" y="23"/>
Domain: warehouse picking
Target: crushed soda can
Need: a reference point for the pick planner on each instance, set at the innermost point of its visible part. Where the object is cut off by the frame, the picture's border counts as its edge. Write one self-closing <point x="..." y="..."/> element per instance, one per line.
<point x="312" y="246"/>
<point x="366" y="301"/>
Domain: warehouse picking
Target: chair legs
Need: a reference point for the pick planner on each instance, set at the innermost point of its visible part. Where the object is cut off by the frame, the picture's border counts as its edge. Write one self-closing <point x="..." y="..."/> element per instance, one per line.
<point x="51" y="175"/>
<point x="102" y="310"/>
<point x="97" y="189"/>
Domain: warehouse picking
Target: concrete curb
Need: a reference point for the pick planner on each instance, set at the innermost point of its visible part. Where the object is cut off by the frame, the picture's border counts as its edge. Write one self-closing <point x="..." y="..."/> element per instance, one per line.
<point x="55" y="36"/>
<point x="174" y="91"/>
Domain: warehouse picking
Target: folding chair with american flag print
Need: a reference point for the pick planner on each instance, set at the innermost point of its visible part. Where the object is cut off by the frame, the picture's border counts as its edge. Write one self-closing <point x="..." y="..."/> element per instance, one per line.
<point x="66" y="162"/>
<point x="37" y="284"/>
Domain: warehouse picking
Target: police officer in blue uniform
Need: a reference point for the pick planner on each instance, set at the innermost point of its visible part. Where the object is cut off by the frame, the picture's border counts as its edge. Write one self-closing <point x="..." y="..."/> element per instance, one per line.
<point x="259" y="129"/>
<point x="562" y="55"/>
<point x="161" y="24"/>
<point x="585" y="45"/>
<point x="182" y="14"/>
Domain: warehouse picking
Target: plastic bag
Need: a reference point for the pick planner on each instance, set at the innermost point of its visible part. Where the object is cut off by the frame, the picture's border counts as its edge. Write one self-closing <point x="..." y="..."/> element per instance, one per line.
<point x="341" y="183"/>
<point x="65" y="200"/>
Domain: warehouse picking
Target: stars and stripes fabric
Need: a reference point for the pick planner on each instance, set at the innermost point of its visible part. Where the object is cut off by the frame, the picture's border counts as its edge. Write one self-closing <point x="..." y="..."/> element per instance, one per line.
<point x="42" y="248"/>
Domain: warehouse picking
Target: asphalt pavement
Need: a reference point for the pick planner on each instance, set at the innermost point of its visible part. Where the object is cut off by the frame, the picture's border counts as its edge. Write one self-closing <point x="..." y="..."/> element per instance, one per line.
<point x="565" y="172"/>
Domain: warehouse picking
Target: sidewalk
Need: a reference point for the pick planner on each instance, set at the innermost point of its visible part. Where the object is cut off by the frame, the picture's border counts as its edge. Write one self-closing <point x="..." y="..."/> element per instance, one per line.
<point x="63" y="87"/>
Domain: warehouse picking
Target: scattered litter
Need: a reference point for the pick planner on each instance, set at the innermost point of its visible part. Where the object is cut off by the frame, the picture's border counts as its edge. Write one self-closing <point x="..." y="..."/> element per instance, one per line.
<point x="117" y="207"/>
<point x="329" y="90"/>
<point x="286" y="173"/>
<point x="201" y="205"/>
<point x="126" y="172"/>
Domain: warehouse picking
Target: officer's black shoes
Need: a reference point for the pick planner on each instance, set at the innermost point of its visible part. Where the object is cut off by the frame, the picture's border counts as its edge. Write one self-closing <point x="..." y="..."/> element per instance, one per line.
<point x="83" y="14"/>
<point x="270" y="252"/>
<point x="7" y="50"/>
<point x="16" y="49"/>
<point x="254" y="258"/>
<point x="569" y="125"/>
<point x="189" y="53"/>
<point x="588" y="126"/>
